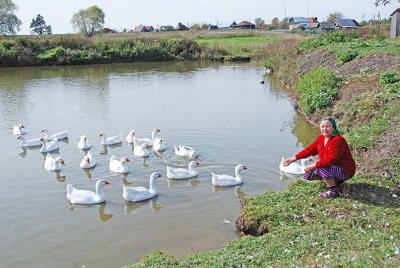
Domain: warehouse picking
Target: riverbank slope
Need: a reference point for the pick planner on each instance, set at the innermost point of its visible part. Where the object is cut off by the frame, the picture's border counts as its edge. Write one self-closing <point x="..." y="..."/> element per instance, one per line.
<point x="353" y="76"/>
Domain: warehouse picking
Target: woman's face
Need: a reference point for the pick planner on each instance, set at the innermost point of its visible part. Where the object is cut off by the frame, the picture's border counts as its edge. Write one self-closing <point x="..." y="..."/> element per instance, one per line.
<point x="326" y="128"/>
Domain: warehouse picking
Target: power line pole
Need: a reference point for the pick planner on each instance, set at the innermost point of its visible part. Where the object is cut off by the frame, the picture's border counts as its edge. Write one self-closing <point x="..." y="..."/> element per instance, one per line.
<point x="284" y="8"/>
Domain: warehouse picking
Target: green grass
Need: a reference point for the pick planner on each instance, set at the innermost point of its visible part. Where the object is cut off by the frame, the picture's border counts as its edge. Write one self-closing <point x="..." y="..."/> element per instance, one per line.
<point x="317" y="90"/>
<point x="305" y="230"/>
<point x="239" y="45"/>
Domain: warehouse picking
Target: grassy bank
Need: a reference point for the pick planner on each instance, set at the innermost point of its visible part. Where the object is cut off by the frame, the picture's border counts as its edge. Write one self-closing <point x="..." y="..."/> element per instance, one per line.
<point x="131" y="47"/>
<point x="361" y="228"/>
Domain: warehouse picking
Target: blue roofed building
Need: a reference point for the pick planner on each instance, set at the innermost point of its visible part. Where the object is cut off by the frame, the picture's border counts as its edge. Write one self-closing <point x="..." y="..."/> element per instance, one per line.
<point x="345" y="24"/>
<point x="296" y="22"/>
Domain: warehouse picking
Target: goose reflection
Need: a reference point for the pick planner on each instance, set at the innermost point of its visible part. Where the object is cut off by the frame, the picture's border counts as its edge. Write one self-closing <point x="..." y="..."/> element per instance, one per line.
<point x="102" y="216"/>
<point x="125" y="180"/>
<point x="286" y="176"/>
<point x="59" y="177"/>
<point x="193" y="182"/>
<point x="130" y="207"/>
<point x="23" y="152"/>
<point x="88" y="172"/>
<point x="238" y="192"/>
<point x="104" y="150"/>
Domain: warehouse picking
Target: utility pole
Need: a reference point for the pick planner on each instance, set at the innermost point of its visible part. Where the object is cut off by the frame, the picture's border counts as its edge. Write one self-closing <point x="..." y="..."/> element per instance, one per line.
<point x="284" y="8"/>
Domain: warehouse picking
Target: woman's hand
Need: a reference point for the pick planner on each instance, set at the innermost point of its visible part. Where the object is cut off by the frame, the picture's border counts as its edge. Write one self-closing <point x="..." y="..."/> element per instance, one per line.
<point x="310" y="169"/>
<point x="288" y="161"/>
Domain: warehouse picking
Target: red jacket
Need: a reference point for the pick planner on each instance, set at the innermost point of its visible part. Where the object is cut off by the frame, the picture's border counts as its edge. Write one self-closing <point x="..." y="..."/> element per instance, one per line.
<point x="336" y="152"/>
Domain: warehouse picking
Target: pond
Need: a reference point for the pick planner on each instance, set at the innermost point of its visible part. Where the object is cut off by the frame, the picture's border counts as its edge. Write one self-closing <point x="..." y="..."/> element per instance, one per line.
<point x="221" y="110"/>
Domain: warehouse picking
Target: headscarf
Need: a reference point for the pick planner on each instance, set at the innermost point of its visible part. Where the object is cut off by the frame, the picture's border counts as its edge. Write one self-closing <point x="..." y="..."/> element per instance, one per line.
<point x="330" y="119"/>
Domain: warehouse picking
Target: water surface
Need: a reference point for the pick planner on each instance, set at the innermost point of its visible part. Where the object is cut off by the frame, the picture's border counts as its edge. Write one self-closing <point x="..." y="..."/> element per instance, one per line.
<point x="221" y="110"/>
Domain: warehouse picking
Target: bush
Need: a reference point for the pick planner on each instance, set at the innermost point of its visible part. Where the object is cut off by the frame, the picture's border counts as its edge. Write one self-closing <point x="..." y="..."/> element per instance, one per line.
<point x="346" y="56"/>
<point x="387" y="78"/>
<point x="317" y="89"/>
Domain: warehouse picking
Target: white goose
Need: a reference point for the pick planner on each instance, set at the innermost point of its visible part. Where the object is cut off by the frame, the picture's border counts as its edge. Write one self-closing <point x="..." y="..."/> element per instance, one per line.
<point x="83" y="143"/>
<point x="110" y="140"/>
<point x="53" y="163"/>
<point x="185" y="151"/>
<point x="140" y="150"/>
<point x="227" y="180"/>
<point x="131" y="138"/>
<point x="19" y="130"/>
<point x="182" y="173"/>
<point x="49" y="146"/>
<point x="85" y="197"/>
<point x="135" y="194"/>
<point x="59" y="135"/>
<point x="88" y="161"/>
<point x="293" y="168"/>
<point x="119" y="166"/>
<point x="28" y="143"/>
<point x="159" y="145"/>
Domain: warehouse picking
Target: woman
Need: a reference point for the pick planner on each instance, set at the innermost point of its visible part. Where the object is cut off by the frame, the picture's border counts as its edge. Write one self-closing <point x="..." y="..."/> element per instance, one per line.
<point x="336" y="163"/>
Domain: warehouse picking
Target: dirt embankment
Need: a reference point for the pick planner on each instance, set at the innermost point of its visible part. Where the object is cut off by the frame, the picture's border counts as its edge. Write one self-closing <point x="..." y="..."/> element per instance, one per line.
<point x="360" y="77"/>
<point x="360" y="82"/>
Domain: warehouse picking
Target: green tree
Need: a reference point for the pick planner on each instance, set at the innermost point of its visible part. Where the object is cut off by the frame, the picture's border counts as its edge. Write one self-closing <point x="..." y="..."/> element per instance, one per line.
<point x="258" y="22"/>
<point x="87" y="21"/>
<point x="333" y="16"/>
<point x="9" y="22"/>
<point x="39" y="26"/>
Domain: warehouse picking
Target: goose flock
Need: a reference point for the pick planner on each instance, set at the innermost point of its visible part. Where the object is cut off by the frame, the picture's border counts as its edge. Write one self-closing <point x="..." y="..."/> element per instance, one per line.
<point x="49" y="143"/>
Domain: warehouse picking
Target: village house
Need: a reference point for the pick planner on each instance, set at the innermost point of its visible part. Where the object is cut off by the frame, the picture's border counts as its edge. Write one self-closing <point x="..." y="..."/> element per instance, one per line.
<point x="167" y="28"/>
<point x="298" y="22"/>
<point x="181" y="27"/>
<point x="245" y="25"/>
<point x="149" y="29"/>
<point x="345" y="24"/>
<point x="395" y="23"/>
<point x="139" y="28"/>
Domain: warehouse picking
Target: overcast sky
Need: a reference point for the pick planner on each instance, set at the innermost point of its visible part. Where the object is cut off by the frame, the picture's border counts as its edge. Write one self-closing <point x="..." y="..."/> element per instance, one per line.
<point x="120" y="14"/>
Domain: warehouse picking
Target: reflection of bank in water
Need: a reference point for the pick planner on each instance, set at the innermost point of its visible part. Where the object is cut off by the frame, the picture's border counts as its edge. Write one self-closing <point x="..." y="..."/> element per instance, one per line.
<point x="304" y="131"/>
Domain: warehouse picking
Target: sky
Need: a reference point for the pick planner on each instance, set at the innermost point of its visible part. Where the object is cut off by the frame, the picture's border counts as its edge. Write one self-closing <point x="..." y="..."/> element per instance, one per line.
<point x="120" y="14"/>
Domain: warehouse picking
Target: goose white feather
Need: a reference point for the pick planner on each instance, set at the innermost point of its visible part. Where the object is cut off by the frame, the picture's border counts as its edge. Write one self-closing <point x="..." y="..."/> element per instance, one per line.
<point x="135" y="194"/>
<point x="49" y="146"/>
<point x="85" y="197"/>
<point x="131" y="138"/>
<point x="59" y="135"/>
<point x="182" y="173"/>
<point x="159" y="145"/>
<point x="28" y="143"/>
<point x="140" y="150"/>
<point x="185" y="151"/>
<point x="19" y="130"/>
<point x="119" y="166"/>
<point x="83" y="143"/>
<point x="88" y="161"/>
<point x="293" y="168"/>
<point x="227" y="180"/>
<point x="110" y="140"/>
<point x="53" y="163"/>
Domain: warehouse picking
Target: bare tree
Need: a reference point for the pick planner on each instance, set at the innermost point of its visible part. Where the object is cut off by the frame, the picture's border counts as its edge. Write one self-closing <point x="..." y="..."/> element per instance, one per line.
<point x="383" y="2"/>
<point x="333" y="16"/>
<point x="258" y="22"/>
